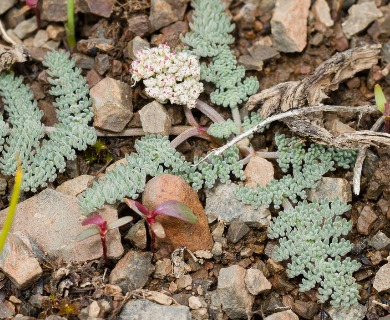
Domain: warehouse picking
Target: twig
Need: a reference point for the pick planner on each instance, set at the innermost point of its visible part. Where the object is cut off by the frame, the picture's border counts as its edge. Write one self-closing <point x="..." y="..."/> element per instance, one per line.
<point x="6" y="36"/>
<point x="357" y="170"/>
<point x="289" y="114"/>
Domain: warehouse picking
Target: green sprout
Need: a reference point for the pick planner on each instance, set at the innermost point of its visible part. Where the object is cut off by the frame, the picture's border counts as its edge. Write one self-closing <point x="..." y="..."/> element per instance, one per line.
<point x="69" y="26"/>
<point x="383" y="106"/>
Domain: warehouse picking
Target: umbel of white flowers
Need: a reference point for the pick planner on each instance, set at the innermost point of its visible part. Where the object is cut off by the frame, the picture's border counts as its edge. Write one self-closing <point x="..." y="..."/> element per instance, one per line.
<point x="168" y="75"/>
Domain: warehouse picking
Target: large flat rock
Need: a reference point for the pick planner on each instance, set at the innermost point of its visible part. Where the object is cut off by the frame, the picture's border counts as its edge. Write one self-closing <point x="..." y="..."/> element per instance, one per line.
<point x="52" y="220"/>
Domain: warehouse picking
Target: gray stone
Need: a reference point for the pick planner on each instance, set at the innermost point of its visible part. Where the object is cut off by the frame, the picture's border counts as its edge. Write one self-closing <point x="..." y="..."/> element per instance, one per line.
<point x="6" y="5"/>
<point x="262" y="52"/>
<point x="132" y="271"/>
<point x="102" y="63"/>
<point x="83" y="61"/>
<point x="184" y="282"/>
<point x="217" y="249"/>
<point x="353" y="312"/>
<point x="13" y="17"/>
<point x="289" y="25"/>
<point x="75" y="186"/>
<point x="111" y="101"/>
<point x="321" y="11"/>
<point x="155" y="119"/>
<point x="25" y="28"/>
<point x="163" y="268"/>
<point x="92" y="45"/>
<point x="136" y="45"/>
<point x="137" y="235"/>
<point x="165" y="12"/>
<point x="379" y="241"/>
<point x="55" y="32"/>
<point x="382" y="278"/>
<point x="52" y="220"/>
<point x="51" y="45"/>
<point x="251" y="63"/>
<point x="235" y="299"/>
<point x="256" y="282"/>
<point x="18" y="263"/>
<point x="40" y="38"/>
<point x="237" y="230"/>
<point x="144" y="309"/>
<point x="330" y="188"/>
<point x="284" y="315"/>
<point x="360" y="16"/>
<point x="222" y="204"/>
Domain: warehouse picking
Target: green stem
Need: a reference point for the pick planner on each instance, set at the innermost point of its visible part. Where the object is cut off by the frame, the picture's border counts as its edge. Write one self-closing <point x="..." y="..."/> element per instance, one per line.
<point x="12" y="207"/>
<point x="70" y="28"/>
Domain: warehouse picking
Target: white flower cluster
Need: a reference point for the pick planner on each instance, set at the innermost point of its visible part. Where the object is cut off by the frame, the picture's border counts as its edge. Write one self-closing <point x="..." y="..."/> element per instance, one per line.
<point x="168" y="75"/>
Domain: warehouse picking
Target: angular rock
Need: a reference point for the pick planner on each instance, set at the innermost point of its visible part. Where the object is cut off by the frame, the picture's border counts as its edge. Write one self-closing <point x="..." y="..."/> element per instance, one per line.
<point x="93" y="78"/>
<point x="144" y="309"/>
<point x="251" y="63"/>
<point x="195" y="303"/>
<point x="379" y="241"/>
<point x="237" y="230"/>
<point x="83" y="61"/>
<point x="366" y="218"/>
<point x="155" y="119"/>
<point x="137" y="235"/>
<point x="165" y="12"/>
<point x="360" y="16"/>
<point x="55" y="32"/>
<point x="102" y="63"/>
<point x="336" y="127"/>
<point x="256" y="282"/>
<point x="222" y="204"/>
<point x="93" y="45"/>
<point x="40" y="38"/>
<point x="382" y="279"/>
<point x="136" y="45"/>
<point x="184" y="282"/>
<point x="139" y="25"/>
<point x="6" y="4"/>
<point x="284" y="315"/>
<point x="289" y="25"/>
<point x="132" y="271"/>
<point x="52" y="221"/>
<point x="321" y="11"/>
<point x="353" y="312"/>
<point x="163" y="268"/>
<point x="235" y="299"/>
<point x="75" y="186"/>
<point x="306" y="309"/>
<point x="258" y="171"/>
<point x="178" y="233"/>
<point x="18" y="263"/>
<point x="330" y="188"/>
<point x="262" y="52"/>
<point x="111" y="101"/>
<point x="25" y="28"/>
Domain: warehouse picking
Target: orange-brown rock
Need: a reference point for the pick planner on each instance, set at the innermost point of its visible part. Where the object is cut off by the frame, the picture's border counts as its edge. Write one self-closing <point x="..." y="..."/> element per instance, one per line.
<point x="178" y="233"/>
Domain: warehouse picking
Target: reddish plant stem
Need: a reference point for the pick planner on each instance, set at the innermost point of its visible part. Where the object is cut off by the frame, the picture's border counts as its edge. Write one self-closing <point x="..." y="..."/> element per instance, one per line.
<point x="208" y="111"/>
<point x="190" y="117"/>
<point x="199" y="131"/>
<point x="104" y="245"/>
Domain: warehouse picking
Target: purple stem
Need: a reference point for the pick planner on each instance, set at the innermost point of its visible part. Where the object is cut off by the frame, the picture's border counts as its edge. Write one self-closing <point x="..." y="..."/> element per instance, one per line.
<point x="209" y="111"/>
<point x="190" y="117"/>
<point x="104" y="245"/>
<point x="193" y="132"/>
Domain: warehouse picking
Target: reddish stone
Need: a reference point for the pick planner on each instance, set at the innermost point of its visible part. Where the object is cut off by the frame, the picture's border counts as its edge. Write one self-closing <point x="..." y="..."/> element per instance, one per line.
<point x="366" y="219"/>
<point x="178" y="233"/>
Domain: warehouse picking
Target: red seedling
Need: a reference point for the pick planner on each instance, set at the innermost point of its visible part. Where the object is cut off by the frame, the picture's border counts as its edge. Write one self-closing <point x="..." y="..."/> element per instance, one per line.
<point x="33" y="5"/>
<point x="101" y="227"/>
<point x="170" y="208"/>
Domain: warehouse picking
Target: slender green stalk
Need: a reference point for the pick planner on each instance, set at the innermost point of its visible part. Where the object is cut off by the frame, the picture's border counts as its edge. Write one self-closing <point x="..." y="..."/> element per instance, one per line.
<point x="70" y="28"/>
<point x="12" y="206"/>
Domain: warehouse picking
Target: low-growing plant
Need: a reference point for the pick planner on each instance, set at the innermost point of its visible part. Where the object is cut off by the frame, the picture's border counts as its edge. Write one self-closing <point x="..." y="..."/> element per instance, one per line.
<point x="171" y="208"/>
<point x="102" y="228"/>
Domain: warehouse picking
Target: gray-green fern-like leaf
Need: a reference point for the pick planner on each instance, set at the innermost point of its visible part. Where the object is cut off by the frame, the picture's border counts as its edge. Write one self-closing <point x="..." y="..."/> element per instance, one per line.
<point x="310" y="235"/>
<point x="155" y="156"/>
<point x="42" y="157"/>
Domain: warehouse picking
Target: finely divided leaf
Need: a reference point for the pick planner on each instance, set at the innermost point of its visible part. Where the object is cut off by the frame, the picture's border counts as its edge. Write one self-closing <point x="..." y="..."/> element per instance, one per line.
<point x="176" y="209"/>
